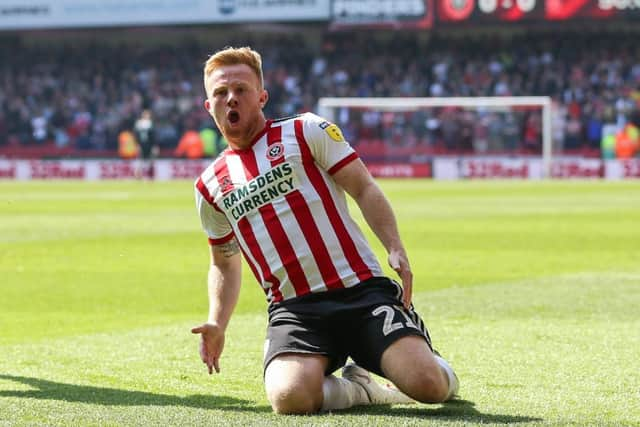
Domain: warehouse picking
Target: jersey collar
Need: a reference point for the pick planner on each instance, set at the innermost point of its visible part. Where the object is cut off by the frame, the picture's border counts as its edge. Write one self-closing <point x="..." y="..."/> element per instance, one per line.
<point x="260" y="134"/>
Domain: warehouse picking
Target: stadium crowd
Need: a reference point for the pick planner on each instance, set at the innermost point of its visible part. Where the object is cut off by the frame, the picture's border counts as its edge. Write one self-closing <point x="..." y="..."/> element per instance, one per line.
<point x="84" y="95"/>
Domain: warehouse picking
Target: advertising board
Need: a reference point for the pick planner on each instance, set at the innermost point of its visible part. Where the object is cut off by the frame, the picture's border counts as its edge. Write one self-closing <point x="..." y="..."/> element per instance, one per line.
<point x="595" y="9"/>
<point x="382" y="13"/>
<point x="504" y="11"/>
<point x="440" y="168"/>
<point x="40" y="14"/>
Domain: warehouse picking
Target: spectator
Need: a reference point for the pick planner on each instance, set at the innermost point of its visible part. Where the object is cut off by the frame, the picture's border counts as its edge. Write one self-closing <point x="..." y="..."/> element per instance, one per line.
<point x="127" y="145"/>
<point x="81" y="95"/>
<point x="190" y="145"/>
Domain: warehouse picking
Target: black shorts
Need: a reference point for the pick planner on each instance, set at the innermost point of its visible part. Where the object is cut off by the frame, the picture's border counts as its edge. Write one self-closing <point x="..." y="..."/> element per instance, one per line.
<point x="359" y="322"/>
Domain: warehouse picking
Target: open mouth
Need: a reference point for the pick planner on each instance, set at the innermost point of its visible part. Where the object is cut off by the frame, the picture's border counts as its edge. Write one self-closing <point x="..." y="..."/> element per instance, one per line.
<point x="233" y="117"/>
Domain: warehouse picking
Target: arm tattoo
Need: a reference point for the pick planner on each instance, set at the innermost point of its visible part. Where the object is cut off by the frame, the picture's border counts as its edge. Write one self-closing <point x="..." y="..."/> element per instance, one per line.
<point x="230" y="248"/>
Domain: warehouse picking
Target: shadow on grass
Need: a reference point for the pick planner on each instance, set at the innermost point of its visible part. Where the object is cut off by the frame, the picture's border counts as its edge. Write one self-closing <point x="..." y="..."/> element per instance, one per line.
<point x="458" y="410"/>
<point x="50" y="390"/>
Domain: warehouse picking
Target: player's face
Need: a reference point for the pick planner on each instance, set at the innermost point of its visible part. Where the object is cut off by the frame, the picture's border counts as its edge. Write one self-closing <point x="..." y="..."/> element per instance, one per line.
<point x="235" y="99"/>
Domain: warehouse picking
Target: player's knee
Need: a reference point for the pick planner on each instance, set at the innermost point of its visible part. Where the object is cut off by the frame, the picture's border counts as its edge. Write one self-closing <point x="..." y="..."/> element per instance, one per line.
<point x="292" y="399"/>
<point x="429" y="387"/>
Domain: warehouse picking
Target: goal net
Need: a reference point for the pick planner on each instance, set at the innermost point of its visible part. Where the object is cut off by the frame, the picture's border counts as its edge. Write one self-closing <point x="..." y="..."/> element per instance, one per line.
<point x="505" y="134"/>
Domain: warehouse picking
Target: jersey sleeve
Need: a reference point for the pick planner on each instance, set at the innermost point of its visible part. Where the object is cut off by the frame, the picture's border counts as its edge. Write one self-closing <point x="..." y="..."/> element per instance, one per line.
<point x="327" y="144"/>
<point x="214" y="223"/>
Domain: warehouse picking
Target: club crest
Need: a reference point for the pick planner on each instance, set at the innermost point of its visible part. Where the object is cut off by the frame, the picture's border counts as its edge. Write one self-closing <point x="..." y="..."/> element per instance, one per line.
<point x="275" y="151"/>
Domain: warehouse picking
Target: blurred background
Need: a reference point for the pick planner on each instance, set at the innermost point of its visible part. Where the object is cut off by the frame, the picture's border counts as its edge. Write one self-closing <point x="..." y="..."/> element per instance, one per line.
<point x="86" y="86"/>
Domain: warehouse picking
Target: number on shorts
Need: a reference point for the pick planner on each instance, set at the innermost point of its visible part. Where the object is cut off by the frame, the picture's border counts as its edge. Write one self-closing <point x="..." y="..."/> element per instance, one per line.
<point x="410" y="323"/>
<point x="388" y="325"/>
<point x="389" y="313"/>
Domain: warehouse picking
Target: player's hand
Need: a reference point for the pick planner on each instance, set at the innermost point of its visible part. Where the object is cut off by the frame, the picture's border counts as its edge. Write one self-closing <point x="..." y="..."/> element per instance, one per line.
<point x="400" y="263"/>
<point x="211" y="344"/>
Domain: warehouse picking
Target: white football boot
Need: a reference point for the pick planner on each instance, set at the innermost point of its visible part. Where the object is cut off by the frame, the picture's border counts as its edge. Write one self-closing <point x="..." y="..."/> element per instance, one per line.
<point x="378" y="394"/>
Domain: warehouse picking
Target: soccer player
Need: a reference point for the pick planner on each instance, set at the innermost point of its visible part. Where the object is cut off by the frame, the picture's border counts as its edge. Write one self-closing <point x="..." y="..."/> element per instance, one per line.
<point x="277" y="194"/>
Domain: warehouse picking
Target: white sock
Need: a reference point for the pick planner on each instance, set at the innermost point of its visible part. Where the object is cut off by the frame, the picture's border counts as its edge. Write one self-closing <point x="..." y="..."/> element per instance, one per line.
<point x="340" y="393"/>
<point x="451" y="377"/>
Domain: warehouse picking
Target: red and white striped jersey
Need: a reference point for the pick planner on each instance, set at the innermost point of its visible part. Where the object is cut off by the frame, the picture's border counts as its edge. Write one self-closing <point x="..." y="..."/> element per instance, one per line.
<point x="290" y="218"/>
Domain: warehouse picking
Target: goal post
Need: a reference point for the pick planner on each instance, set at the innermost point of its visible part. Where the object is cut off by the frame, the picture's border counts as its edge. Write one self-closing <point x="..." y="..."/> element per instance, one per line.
<point x="329" y="107"/>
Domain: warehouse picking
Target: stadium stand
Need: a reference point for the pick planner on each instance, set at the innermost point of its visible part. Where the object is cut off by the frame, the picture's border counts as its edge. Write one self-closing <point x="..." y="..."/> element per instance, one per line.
<point x="72" y="98"/>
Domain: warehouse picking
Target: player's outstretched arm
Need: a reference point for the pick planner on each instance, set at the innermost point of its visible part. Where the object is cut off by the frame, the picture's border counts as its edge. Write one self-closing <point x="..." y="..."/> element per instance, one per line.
<point x="377" y="211"/>
<point x="224" y="288"/>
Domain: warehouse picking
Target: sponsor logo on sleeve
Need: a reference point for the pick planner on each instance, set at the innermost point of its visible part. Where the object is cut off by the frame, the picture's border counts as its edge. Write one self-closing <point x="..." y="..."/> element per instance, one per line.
<point x="332" y="130"/>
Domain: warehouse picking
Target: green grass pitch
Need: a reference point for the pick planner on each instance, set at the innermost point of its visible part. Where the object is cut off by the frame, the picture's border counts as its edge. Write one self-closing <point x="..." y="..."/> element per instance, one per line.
<point x="530" y="289"/>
